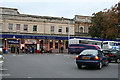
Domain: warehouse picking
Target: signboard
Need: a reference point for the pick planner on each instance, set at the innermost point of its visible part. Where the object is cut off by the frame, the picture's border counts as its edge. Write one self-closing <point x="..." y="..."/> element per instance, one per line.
<point x="13" y="41"/>
<point x="30" y="41"/>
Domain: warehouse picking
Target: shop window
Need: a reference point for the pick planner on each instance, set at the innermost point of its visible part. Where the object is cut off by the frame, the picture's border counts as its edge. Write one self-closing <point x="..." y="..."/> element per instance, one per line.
<point x="56" y="45"/>
<point x="25" y="27"/>
<point x="18" y="27"/>
<point x="51" y="44"/>
<point x="66" y="44"/>
<point x="41" y="43"/>
<point x="35" y="28"/>
<point x="60" y="29"/>
<point x="52" y="28"/>
<point x="67" y="29"/>
<point x="10" y="26"/>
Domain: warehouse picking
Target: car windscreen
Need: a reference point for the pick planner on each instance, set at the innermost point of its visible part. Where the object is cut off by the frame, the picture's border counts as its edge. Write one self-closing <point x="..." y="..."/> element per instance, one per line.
<point x="89" y="52"/>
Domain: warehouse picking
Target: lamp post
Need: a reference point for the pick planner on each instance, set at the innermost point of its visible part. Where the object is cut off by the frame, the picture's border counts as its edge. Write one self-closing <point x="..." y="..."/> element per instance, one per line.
<point x="68" y="35"/>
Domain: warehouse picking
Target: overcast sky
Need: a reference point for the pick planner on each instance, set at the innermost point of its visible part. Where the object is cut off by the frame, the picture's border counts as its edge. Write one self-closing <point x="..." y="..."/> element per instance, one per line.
<point x="58" y="8"/>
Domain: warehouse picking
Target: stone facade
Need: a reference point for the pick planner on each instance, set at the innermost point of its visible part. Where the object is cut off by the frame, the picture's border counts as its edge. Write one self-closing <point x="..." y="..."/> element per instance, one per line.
<point x="78" y="25"/>
<point x="48" y="32"/>
<point x="82" y="24"/>
<point x="43" y="23"/>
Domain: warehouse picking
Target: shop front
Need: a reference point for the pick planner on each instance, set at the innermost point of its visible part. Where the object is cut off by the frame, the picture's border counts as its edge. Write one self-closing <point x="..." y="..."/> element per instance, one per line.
<point x="31" y="43"/>
<point x="37" y="41"/>
<point x="11" y="45"/>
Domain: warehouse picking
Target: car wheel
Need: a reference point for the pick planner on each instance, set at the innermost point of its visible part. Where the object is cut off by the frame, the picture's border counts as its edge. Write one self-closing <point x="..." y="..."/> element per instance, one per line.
<point x="118" y="60"/>
<point x="79" y="66"/>
<point x="100" y="65"/>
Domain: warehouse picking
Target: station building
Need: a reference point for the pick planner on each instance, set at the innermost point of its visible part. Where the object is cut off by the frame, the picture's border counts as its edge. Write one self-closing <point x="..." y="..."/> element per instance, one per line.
<point x="39" y="31"/>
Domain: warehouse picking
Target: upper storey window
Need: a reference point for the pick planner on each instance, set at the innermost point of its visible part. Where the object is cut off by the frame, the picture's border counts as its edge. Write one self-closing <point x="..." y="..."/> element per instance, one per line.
<point x="10" y="26"/>
<point x="18" y="27"/>
<point x="25" y="27"/>
<point x="60" y="29"/>
<point x="52" y="28"/>
<point x="67" y="29"/>
<point x="34" y="28"/>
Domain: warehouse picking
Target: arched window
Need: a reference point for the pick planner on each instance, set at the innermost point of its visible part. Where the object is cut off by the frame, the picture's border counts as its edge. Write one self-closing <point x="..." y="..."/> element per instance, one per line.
<point x="81" y="29"/>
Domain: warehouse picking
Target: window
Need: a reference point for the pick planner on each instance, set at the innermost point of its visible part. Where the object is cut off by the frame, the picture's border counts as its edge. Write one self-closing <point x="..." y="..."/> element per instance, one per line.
<point x="35" y="28"/>
<point x="25" y="27"/>
<point x="10" y="26"/>
<point x="52" y="28"/>
<point x="56" y="45"/>
<point x="18" y="27"/>
<point x="89" y="52"/>
<point x="66" y="44"/>
<point x="60" y="29"/>
<point x="67" y="29"/>
<point x="51" y="44"/>
<point x="81" y="29"/>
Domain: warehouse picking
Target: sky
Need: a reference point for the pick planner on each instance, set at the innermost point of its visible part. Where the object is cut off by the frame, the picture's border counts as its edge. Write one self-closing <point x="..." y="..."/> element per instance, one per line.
<point x="59" y="8"/>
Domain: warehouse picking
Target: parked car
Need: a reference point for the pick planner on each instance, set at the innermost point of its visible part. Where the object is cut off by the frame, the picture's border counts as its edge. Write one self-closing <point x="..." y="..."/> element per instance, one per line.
<point x="113" y="55"/>
<point x="91" y="57"/>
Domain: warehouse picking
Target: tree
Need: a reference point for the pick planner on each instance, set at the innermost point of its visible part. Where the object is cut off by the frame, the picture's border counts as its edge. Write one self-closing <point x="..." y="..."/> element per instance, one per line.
<point x="105" y="24"/>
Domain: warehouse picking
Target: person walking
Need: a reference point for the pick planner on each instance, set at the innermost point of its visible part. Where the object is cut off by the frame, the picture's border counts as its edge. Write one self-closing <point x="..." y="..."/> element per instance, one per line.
<point x="33" y="49"/>
<point x="26" y="50"/>
<point x="30" y="49"/>
<point x="62" y="49"/>
<point x="17" y="49"/>
<point x="4" y="49"/>
<point x="42" y="50"/>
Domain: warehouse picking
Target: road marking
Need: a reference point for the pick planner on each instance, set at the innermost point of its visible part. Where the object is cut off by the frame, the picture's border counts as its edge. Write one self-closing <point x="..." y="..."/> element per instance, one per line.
<point x="14" y="55"/>
<point x="28" y="77"/>
<point x="66" y="55"/>
<point x="4" y="74"/>
<point x="3" y="69"/>
<point x="57" y="54"/>
<point x="20" y="55"/>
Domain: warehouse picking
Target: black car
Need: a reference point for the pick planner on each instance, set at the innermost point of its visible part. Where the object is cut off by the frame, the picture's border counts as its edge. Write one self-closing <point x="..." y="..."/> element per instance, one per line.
<point x="91" y="58"/>
<point x="113" y="55"/>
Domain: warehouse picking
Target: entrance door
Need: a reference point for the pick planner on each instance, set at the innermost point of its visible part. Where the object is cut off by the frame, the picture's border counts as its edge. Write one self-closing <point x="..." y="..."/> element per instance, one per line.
<point x="12" y="48"/>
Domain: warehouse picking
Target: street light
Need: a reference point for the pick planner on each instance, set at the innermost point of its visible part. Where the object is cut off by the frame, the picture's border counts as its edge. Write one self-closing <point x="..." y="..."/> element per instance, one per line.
<point x="68" y="35"/>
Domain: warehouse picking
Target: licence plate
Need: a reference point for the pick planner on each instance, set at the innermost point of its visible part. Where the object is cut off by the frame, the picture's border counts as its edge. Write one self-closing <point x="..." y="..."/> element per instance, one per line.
<point x="85" y="57"/>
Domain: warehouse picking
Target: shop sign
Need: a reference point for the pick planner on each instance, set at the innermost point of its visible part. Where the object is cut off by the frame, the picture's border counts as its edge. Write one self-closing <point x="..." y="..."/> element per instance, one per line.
<point x="13" y="41"/>
<point x="30" y="41"/>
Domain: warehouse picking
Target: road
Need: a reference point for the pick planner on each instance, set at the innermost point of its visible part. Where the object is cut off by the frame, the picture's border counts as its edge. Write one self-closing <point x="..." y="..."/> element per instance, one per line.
<point x="52" y="66"/>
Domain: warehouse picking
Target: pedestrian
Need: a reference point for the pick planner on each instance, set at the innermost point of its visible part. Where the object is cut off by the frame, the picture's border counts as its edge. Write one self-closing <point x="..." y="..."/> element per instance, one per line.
<point x="26" y="50"/>
<point x="59" y="49"/>
<point x="4" y="49"/>
<point x="23" y="49"/>
<point x="17" y="50"/>
<point x="33" y="49"/>
<point x="42" y="50"/>
<point x="30" y="49"/>
<point x="62" y="49"/>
